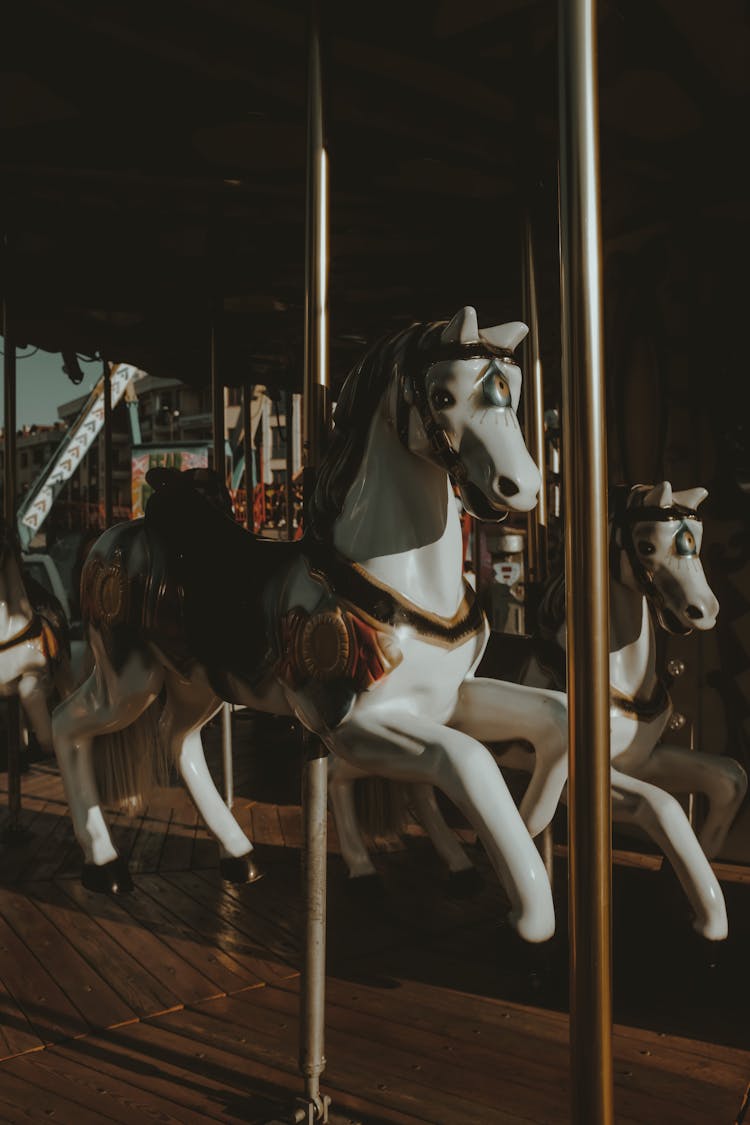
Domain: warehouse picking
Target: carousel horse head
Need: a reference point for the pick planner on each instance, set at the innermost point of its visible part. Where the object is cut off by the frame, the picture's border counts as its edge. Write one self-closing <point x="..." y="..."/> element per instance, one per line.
<point x="659" y="533"/>
<point x="451" y="391"/>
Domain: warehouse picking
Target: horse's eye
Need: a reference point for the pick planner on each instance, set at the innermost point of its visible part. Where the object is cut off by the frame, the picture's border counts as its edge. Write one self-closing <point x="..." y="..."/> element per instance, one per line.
<point x="495" y="387"/>
<point x="685" y="542"/>
<point x="442" y="399"/>
<point x="646" y="548"/>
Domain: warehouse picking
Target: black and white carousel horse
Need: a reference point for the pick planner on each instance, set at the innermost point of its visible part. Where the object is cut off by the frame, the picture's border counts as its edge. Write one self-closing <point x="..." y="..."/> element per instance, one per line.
<point x="34" y="641"/>
<point x="365" y="629"/>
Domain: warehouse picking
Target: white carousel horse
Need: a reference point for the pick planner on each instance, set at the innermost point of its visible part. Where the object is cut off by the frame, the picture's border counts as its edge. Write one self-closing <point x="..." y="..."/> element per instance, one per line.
<point x="34" y="641"/>
<point x="365" y="629"/>
<point x="655" y="572"/>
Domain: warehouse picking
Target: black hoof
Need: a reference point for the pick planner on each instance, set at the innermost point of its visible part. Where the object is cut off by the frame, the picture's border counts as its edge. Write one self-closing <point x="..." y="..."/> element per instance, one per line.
<point x="108" y="879"/>
<point x="365" y="888"/>
<point x="240" y="869"/>
<point x="465" y="883"/>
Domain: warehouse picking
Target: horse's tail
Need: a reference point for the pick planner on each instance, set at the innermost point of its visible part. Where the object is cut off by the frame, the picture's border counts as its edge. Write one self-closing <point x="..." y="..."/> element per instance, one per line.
<point x="131" y="763"/>
<point x="381" y="805"/>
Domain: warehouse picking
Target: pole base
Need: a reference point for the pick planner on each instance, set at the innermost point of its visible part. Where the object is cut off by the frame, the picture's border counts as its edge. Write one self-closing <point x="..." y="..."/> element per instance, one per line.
<point x="312" y="1111"/>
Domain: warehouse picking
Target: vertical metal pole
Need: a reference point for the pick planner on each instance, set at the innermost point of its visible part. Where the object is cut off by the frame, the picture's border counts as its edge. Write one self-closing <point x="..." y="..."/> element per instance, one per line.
<point x="534" y="425"/>
<point x="220" y="467"/>
<point x="247" y="449"/>
<point x="107" y="438"/>
<point x="534" y="411"/>
<point x="13" y="829"/>
<point x="313" y="1107"/>
<point x="289" y="464"/>
<point x="585" y="481"/>
<point x="226" y="753"/>
<point x="217" y="405"/>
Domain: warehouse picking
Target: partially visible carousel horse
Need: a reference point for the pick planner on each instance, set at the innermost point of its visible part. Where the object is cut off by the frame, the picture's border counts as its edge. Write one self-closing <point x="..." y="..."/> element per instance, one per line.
<point x="655" y="576"/>
<point x="34" y="641"/>
<point x="365" y="629"/>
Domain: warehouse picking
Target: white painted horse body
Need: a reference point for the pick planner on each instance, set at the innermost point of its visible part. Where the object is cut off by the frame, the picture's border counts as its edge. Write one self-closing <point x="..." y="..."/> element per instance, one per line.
<point x="376" y="633"/>
<point x="656" y="572"/>
<point x="34" y="643"/>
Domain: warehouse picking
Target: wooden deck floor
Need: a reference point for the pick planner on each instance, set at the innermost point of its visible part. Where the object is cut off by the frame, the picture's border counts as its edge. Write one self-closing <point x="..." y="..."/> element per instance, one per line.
<point x="178" y="1003"/>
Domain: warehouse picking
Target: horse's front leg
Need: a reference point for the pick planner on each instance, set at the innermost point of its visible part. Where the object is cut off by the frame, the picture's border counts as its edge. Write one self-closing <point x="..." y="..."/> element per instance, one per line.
<point x="498" y="711"/>
<point x="722" y="779"/>
<point x="660" y="815"/>
<point x="33" y="699"/>
<point x="404" y="747"/>
<point x="189" y="707"/>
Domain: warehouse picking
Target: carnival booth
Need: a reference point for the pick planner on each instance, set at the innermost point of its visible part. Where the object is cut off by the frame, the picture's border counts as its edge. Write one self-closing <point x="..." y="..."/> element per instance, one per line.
<point x="472" y="669"/>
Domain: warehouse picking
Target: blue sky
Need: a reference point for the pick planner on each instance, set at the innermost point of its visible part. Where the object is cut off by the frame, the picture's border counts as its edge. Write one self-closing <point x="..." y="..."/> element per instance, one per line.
<point x="42" y="386"/>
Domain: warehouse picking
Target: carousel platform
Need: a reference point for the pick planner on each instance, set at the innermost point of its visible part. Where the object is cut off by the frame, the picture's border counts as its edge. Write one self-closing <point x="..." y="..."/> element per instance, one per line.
<point x="178" y="1003"/>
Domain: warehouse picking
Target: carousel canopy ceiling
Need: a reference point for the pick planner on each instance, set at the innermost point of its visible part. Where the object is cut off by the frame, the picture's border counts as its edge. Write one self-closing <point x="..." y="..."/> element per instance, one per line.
<point x="153" y="156"/>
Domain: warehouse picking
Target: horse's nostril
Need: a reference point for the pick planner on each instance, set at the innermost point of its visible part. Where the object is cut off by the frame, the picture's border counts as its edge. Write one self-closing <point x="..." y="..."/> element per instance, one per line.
<point x="507" y="486"/>
<point x="694" y="612"/>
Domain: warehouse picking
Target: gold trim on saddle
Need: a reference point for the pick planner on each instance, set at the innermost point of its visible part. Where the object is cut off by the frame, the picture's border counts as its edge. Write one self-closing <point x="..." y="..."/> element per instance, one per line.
<point x="107" y="590"/>
<point x="335" y="645"/>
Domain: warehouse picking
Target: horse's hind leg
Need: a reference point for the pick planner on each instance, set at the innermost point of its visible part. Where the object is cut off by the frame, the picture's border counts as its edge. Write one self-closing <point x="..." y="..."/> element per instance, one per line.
<point x="106" y="702"/>
<point x="463" y="875"/>
<point x="189" y="707"/>
<point x="660" y="815"/>
<point x="723" y="780"/>
<point x="341" y="778"/>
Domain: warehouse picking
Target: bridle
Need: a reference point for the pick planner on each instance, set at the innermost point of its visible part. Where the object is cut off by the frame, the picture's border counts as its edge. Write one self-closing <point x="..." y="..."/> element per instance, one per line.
<point x="625" y="519"/>
<point x="413" y="378"/>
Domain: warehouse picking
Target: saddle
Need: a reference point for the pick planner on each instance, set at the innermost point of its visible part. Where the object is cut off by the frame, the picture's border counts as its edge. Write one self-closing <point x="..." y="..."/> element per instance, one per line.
<point x="214" y="572"/>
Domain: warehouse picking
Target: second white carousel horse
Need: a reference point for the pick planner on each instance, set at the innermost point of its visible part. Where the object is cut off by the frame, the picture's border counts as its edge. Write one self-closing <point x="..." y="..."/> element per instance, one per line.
<point x="34" y="641"/>
<point x="655" y="573"/>
<point x="365" y="629"/>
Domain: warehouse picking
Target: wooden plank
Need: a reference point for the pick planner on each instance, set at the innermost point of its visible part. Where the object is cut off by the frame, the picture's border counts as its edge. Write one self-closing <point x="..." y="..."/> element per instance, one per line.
<point x="36" y="1101"/>
<point x="266" y="825"/>
<point x="49" y="1011"/>
<point x="141" y="990"/>
<point x="104" y="1093"/>
<point x="177" y="852"/>
<point x="169" y="976"/>
<point x="202" y="1082"/>
<point x="146" y="851"/>
<point x="205" y="850"/>
<point x="250" y="1034"/>
<point x="452" y="1076"/>
<point x="16" y="1033"/>
<point x="290" y="817"/>
<point x="226" y="924"/>
<point x="87" y="990"/>
<point x="47" y="861"/>
<point x="151" y="909"/>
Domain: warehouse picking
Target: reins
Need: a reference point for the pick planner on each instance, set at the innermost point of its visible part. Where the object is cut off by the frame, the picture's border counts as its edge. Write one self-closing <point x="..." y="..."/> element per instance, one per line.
<point x="29" y="632"/>
<point x="624" y="520"/>
<point x="413" y="377"/>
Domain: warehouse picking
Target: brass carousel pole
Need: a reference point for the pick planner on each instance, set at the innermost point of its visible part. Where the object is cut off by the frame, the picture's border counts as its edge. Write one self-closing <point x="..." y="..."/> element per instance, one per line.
<point x="220" y="467"/>
<point x="585" y="479"/>
<point x="534" y="425"/>
<point x="12" y="832"/>
<point x="248" y="390"/>
<point x="107" y="392"/>
<point x="313" y="1106"/>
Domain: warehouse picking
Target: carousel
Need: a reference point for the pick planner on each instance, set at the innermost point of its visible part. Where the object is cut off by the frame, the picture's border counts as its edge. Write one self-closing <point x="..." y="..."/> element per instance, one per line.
<point x="427" y="805"/>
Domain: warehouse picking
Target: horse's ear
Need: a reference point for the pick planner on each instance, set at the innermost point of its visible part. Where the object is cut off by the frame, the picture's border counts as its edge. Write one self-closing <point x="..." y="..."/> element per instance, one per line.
<point x="660" y="496"/>
<point x="691" y="497"/>
<point x="505" y="335"/>
<point x="463" y="329"/>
